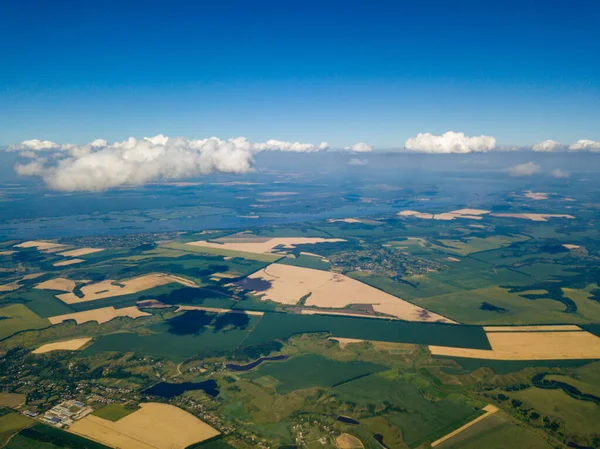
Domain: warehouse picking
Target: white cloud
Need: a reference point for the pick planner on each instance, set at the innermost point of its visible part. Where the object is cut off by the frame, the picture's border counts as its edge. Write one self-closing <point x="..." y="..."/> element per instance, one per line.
<point x="546" y="146"/>
<point x="360" y="147"/>
<point x="527" y="169"/>
<point x="357" y="161"/>
<point x="560" y="174"/>
<point x="585" y="145"/>
<point x="449" y="142"/>
<point x="100" y="165"/>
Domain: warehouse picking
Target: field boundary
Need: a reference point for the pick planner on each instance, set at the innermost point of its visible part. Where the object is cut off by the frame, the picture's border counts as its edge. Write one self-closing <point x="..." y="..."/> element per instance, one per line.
<point x="489" y="410"/>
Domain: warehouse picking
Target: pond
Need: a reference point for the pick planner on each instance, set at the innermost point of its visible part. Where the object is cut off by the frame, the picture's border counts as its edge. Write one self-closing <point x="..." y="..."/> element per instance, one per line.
<point x="169" y="390"/>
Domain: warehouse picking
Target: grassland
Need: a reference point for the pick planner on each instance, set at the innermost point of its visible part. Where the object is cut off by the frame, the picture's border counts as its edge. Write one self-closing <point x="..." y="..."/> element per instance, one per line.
<point x="10" y="424"/>
<point x="314" y="371"/>
<point x="16" y="318"/>
<point x="113" y="412"/>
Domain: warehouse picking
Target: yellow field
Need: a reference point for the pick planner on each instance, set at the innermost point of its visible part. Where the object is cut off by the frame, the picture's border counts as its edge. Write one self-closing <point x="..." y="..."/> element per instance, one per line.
<point x="64" y="263"/>
<point x="153" y="426"/>
<point x="41" y="245"/>
<point x="261" y="245"/>
<point x="108" y="289"/>
<point x="489" y="410"/>
<point x="60" y="284"/>
<point x="102" y="315"/>
<point x="68" y="345"/>
<point x="347" y="441"/>
<point x="571" y="246"/>
<point x="531" y="345"/>
<point x="344" y="220"/>
<point x="334" y="291"/>
<point x="80" y="252"/>
<point x="536" y="195"/>
<point x="534" y="217"/>
<point x="549" y="327"/>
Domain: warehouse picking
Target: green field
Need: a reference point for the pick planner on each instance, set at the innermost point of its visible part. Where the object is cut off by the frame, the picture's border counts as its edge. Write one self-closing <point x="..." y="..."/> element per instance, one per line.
<point x="306" y="262"/>
<point x="17" y="317"/>
<point x="41" y="436"/>
<point x="113" y="412"/>
<point x="314" y="371"/>
<point x="494" y="432"/>
<point x="10" y="424"/>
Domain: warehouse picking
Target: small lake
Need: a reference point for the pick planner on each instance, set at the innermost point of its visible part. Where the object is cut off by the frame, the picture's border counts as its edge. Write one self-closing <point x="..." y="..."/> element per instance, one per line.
<point x="169" y="390"/>
<point x="249" y="366"/>
<point x="347" y="420"/>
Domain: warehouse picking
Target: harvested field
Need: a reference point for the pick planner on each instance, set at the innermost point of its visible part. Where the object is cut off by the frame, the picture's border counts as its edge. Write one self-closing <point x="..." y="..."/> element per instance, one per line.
<point x="218" y="310"/>
<point x="571" y="246"/>
<point x="531" y="345"/>
<point x="489" y="410"/>
<point x="258" y="245"/>
<point x="12" y="399"/>
<point x="110" y="288"/>
<point x="472" y="214"/>
<point x="550" y="327"/>
<point x="385" y="346"/>
<point x="60" y="284"/>
<point x="80" y="252"/>
<point x="288" y="284"/>
<point x="65" y="263"/>
<point x="102" y="315"/>
<point x="153" y="426"/>
<point x="344" y="220"/>
<point x="68" y="345"/>
<point x="536" y="195"/>
<point x="347" y="441"/>
<point x="534" y="217"/>
<point x="41" y="245"/>
<point x="6" y="253"/>
<point x="10" y="287"/>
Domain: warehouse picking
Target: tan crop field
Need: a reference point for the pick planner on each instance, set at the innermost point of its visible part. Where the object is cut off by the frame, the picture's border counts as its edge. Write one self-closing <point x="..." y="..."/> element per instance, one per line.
<point x="60" y="284"/>
<point x="288" y="284"/>
<point x="103" y="315"/>
<point x="549" y="327"/>
<point x="347" y="441"/>
<point x="41" y="245"/>
<point x="111" y="288"/>
<point x="64" y="263"/>
<point x="536" y="195"/>
<point x="472" y="214"/>
<point x="80" y="252"/>
<point x="153" y="426"/>
<point x="260" y="245"/>
<point x="528" y="345"/>
<point x="67" y="345"/>
<point x="534" y="217"/>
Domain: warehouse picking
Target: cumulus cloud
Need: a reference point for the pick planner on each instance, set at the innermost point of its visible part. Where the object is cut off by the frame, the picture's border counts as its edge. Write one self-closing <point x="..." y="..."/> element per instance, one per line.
<point x="100" y="165"/>
<point x="546" y="146"/>
<point x="585" y="145"/>
<point x="527" y="169"/>
<point x="560" y="174"/>
<point x="450" y="142"/>
<point x="357" y="161"/>
<point x="360" y="147"/>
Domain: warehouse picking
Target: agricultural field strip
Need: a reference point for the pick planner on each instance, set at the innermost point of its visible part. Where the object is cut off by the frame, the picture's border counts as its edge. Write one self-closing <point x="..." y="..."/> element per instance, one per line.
<point x="261" y="245"/>
<point x="67" y="345"/>
<point x="489" y="410"/>
<point x="534" y="328"/>
<point x="182" y="308"/>
<point x="102" y="315"/>
<point x="541" y="345"/>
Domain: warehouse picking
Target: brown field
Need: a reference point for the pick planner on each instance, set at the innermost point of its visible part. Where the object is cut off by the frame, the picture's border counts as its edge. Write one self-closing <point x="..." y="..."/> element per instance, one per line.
<point x="534" y="217"/>
<point x="385" y="346"/>
<point x="261" y="245"/>
<point x="11" y="286"/>
<point x="153" y="426"/>
<point x="67" y="345"/>
<point x="218" y="310"/>
<point x="347" y="441"/>
<point x="489" y="410"/>
<point x="571" y="246"/>
<point x="41" y="245"/>
<point x="536" y="195"/>
<point x="344" y="220"/>
<point x="472" y="214"/>
<point x="334" y="291"/>
<point x="6" y="253"/>
<point x="568" y="345"/>
<point x="549" y="327"/>
<point x="80" y="252"/>
<point x="102" y="315"/>
<point x="64" y="263"/>
<point x="108" y="289"/>
<point x="12" y="399"/>
<point x="60" y="284"/>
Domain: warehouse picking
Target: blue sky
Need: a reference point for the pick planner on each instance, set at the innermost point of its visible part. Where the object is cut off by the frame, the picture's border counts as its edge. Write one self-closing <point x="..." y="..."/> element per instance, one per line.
<point x="379" y="72"/>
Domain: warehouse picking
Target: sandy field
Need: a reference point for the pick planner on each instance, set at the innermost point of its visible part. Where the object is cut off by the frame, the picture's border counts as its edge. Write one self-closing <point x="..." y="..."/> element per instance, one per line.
<point x="344" y="220"/>
<point x="536" y="195"/>
<point x="472" y="214"/>
<point x="571" y="246"/>
<point x="41" y="245"/>
<point x="218" y="310"/>
<point x="262" y="245"/>
<point x="489" y="410"/>
<point x="568" y="345"/>
<point x="534" y="217"/>
<point x="153" y="426"/>
<point x="60" y="284"/>
<point x="64" y="263"/>
<point x="549" y="327"/>
<point x="68" y="345"/>
<point x="80" y="252"/>
<point x="106" y="289"/>
<point x="335" y="291"/>
<point x="103" y="315"/>
<point x="347" y="441"/>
